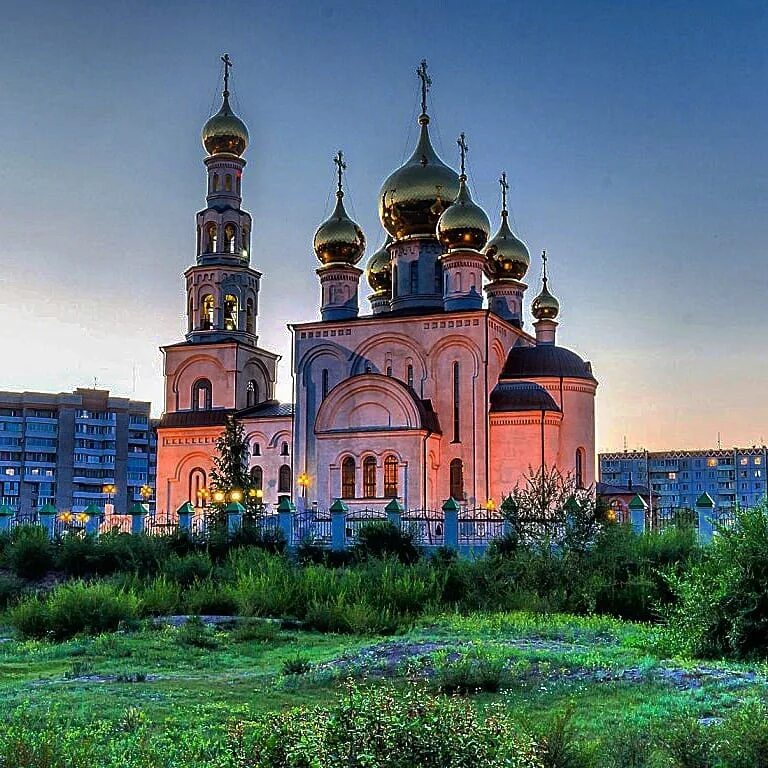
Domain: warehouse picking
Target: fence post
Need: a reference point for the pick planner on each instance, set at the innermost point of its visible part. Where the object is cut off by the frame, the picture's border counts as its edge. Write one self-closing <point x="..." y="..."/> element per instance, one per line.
<point x="285" y="511"/>
<point x="47" y="518"/>
<point x="234" y="512"/>
<point x="338" y="512"/>
<point x="6" y="515"/>
<point x="451" y="523"/>
<point x="394" y="512"/>
<point x="94" y="519"/>
<point x="184" y="514"/>
<point x="637" y="509"/>
<point x="138" y="513"/>
<point x="705" y="510"/>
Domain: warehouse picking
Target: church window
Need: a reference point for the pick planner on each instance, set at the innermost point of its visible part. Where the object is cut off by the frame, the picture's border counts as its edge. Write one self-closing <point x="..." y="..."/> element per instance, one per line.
<point x="230" y="312"/>
<point x="368" y="368"/>
<point x="389" y="371"/>
<point x="284" y="479"/>
<point x="196" y="487"/>
<point x="250" y="394"/>
<point x="409" y="376"/>
<point x="414" y="276"/>
<point x="579" y="467"/>
<point x="238" y="183"/>
<point x="348" y="478"/>
<point x="456" y="404"/>
<point x="438" y="277"/>
<point x="190" y="313"/>
<point x="457" y="480"/>
<point x="394" y="282"/>
<point x="256" y="449"/>
<point x="325" y="383"/>
<point x="230" y="235"/>
<point x="245" y="241"/>
<point x="228" y="183"/>
<point x="284" y="449"/>
<point x="211" y="237"/>
<point x="390" y="477"/>
<point x="215" y="182"/>
<point x="207" y="312"/>
<point x="201" y="395"/>
<point x="369" y="477"/>
<point x="199" y="239"/>
<point x="250" y="317"/>
<point x="457" y="282"/>
<point x="257" y="477"/>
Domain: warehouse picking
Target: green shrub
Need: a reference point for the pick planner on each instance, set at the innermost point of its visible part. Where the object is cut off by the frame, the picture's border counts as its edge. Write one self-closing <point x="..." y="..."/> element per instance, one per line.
<point x="473" y="673"/>
<point x="74" y="608"/>
<point x="160" y="597"/>
<point x="76" y="554"/>
<point x="141" y="554"/>
<point x="186" y="569"/>
<point x="210" y="598"/>
<point x="296" y="665"/>
<point x="11" y="590"/>
<point x="381" y="539"/>
<point x="193" y="633"/>
<point x="30" y="552"/>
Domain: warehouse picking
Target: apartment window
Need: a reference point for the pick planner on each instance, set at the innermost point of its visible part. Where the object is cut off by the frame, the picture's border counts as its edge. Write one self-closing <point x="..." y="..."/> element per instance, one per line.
<point x="369" y="477"/>
<point x="712" y="462"/>
<point x="758" y="461"/>
<point x="672" y="476"/>
<point x="743" y="461"/>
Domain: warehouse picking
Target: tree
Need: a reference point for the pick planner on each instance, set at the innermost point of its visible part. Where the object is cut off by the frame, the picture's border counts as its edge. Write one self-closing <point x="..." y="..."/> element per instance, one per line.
<point x="549" y="507"/>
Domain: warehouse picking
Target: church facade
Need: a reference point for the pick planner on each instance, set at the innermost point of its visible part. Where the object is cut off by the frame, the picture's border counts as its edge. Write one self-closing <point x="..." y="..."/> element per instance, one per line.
<point x="440" y="392"/>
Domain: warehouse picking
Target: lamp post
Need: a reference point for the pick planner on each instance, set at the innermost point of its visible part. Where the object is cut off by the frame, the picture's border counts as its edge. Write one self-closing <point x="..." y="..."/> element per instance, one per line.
<point x="109" y="490"/>
<point x="146" y="494"/>
<point x="203" y="495"/>
<point x="303" y="481"/>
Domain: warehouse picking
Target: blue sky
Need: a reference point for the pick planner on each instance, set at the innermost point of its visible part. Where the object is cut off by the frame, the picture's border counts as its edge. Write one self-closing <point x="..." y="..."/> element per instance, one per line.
<point x="633" y="135"/>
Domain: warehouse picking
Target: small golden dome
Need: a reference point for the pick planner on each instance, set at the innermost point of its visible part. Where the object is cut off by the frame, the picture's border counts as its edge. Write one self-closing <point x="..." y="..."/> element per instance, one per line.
<point x="339" y="240"/>
<point x="413" y="197"/>
<point x="463" y="224"/>
<point x="545" y="306"/>
<point x="225" y="132"/>
<point x="507" y="257"/>
<point x="379" y="269"/>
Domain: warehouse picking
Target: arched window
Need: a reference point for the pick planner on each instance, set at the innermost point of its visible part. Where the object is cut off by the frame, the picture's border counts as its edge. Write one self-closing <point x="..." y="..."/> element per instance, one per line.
<point x="230" y="235"/>
<point x="199" y="239"/>
<point x="256" y="449"/>
<point x="284" y="449"/>
<point x="457" y="480"/>
<point x="457" y="283"/>
<point x="215" y="182"/>
<point x="230" y="312"/>
<point x="390" y="477"/>
<point x="250" y="317"/>
<point x="257" y="477"/>
<point x="394" y="281"/>
<point x="325" y="383"/>
<point x="196" y="487"/>
<point x="244" y="237"/>
<point x="369" y="477"/>
<point x="368" y="368"/>
<point x="190" y="314"/>
<point x="201" y="395"/>
<point x="284" y="479"/>
<point x="250" y="394"/>
<point x="207" y="312"/>
<point x="211" y="237"/>
<point x="348" y="478"/>
<point x="579" y="468"/>
<point x="438" y="277"/>
<point x="228" y="183"/>
<point x="414" y="276"/>
<point x="389" y="371"/>
<point x="238" y="183"/>
<point x="456" y="403"/>
<point x="409" y="376"/>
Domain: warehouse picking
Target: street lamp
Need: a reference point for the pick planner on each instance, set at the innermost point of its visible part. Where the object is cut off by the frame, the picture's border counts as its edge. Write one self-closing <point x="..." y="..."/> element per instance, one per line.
<point x="219" y="497"/>
<point x="490" y="505"/>
<point x="202" y="497"/>
<point x="236" y="495"/>
<point x="109" y="490"/>
<point x="303" y="481"/>
<point x="146" y="493"/>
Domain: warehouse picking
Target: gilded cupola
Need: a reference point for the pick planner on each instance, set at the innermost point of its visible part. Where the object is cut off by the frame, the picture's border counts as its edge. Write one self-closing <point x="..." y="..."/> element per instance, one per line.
<point x="545" y="306"/>
<point x="413" y="197"/>
<point x="463" y="224"/>
<point x="379" y="269"/>
<point x="225" y="132"/>
<point x="507" y="257"/>
<point x="339" y="240"/>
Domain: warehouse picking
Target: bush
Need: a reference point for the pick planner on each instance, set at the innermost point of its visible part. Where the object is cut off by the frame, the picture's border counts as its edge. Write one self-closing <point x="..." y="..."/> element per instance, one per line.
<point x="474" y="673"/>
<point x="186" y="569"/>
<point x="210" y="598"/>
<point x="296" y="665"/>
<point x="76" y="554"/>
<point x="382" y="539"/>
<point x="30" y="552"/>
<point x="194" y="634"/>
<point x="11" y="589"/>
<point x="74" y="608"/>
<point x="160" y="597"/>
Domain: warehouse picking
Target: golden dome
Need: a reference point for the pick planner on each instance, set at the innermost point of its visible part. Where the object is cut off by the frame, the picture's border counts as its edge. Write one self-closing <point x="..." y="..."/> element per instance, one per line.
<point x="463" y="224"/>
<point x="507" y="258"/>
<point x="339" y="240"/>
<point x="545" y="306"/>
<point x="379" y="269"/>
<point x="225" y="132"/>
<point x="413" y="197"/>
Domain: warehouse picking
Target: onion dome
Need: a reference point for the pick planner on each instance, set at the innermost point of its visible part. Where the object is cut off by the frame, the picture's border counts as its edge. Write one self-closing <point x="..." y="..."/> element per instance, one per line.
<point x="507" y="257"/>
<point x="413" y="197"/>
<point x="379" y="269"/>
<point x="463" y="224"/>
<point x="545" y="306"/>
<point x="225" y="132"/>
<point x="544" y="360"/>
<point x="339" y="240"/>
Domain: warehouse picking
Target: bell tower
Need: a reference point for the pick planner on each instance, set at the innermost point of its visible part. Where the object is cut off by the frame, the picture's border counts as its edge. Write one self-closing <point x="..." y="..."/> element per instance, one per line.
<point x="219" y="366"/>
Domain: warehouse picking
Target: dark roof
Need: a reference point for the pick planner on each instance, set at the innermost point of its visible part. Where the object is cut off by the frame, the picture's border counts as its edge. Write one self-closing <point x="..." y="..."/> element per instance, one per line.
<point x="608" y="489"/>
<point x="267" y="409"/>
<point x="509" y="396"/>
<point x="545" y="360"/>
<point x="214" y="418"/>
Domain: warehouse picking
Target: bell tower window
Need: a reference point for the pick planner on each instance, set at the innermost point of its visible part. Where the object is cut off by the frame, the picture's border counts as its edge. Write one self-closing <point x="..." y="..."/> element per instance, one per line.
<point x="230" y="312"/>
<point x="250" y="317"/>
<point x="207" y="313"/>
<point x="201" y="395"/>
<point x="438" y="277"/>
<point x="215" y="185"/>
<point x="230" y="233"/>
<point x="211" y="238"/>
<point x="250" y="394"/>
<point x="245" y="238"/>
<point x="414" y="276"/>
<point x="228" y="183"/>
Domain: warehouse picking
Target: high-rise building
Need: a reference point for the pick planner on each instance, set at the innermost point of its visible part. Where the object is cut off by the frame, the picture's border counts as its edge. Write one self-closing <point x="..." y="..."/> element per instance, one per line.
<point x="74" y="449"/>
<point x="735" y="476"/>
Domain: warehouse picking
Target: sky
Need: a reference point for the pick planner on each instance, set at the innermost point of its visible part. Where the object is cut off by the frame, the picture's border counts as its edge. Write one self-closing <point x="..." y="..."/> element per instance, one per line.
<point x="634" y="136"/>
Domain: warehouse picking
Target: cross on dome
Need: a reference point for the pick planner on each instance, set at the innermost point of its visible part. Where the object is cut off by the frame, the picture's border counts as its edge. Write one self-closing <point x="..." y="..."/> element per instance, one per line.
<point x="504" y="184"/>
<point x="227" y="65"/>
<point x="426" y="82"/>
<point x="341" y="166"/>
<point x="463" y="149"/>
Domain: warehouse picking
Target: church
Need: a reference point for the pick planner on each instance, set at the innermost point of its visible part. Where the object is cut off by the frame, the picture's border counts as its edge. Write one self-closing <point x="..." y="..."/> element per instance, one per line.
<point x="439" y="392"/>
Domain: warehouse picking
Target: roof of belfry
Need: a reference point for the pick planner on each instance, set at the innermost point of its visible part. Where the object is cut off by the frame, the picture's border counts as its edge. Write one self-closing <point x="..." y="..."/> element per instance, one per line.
<point x="545" y="360"/>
